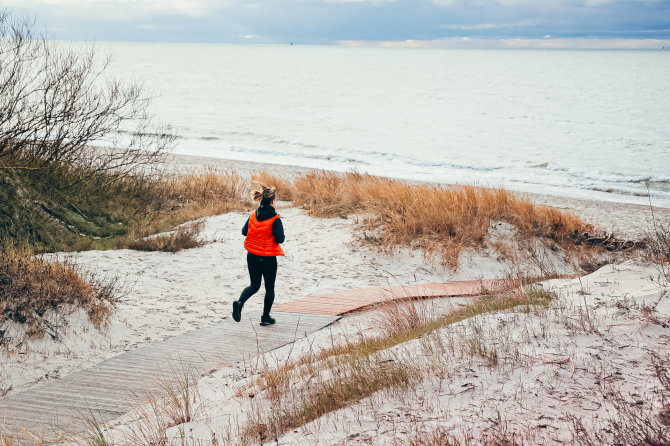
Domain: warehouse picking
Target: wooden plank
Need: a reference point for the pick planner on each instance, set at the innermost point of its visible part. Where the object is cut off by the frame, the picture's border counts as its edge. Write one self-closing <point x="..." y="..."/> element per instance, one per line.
<point x="353" y="300"/>
<point x="31" y="410"/>
<point x="81" y="393"/>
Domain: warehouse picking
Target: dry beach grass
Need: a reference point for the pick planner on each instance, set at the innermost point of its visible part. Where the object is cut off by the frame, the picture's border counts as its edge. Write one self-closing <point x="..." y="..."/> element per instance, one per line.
<point x="195" y="194"/>
<point x="36" y="294"/>
<point x="440" y="221"/>
<point x="184" y="237"/>
<point x="360" y="367"/>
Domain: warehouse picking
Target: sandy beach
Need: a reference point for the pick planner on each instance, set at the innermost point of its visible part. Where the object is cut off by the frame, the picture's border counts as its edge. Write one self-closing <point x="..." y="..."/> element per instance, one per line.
<point x="166" y="294"/>
<point x="552" y="372"/>
<point x="169" y="294"/>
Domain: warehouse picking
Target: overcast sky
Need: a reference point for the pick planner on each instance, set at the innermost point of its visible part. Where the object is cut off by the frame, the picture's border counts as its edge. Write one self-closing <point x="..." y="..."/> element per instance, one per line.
<point x="388" y="22"/>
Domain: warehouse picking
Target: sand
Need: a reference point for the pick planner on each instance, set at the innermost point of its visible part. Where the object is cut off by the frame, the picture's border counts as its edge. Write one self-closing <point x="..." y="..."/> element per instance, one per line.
<point x="553" y="367"/>
<point x="168" y="294"/>
<point x="566" y="369"/>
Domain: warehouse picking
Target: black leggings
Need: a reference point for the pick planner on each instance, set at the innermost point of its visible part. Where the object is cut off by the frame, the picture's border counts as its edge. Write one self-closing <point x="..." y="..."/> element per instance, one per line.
<point x="260" y="266"/>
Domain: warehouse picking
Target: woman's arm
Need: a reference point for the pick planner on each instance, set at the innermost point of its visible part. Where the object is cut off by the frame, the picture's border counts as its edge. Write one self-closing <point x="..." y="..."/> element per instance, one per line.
<point x="245" y="229"/>
<point x="278" y="230"/>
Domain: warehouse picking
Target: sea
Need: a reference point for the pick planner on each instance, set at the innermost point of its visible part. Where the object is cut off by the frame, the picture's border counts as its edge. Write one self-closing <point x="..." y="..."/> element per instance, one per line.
<point x="576" y="123"/>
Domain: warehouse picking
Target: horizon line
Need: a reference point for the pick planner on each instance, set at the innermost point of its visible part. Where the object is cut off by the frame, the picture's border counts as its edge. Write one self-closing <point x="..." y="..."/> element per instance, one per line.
<point x="548" y="42"/>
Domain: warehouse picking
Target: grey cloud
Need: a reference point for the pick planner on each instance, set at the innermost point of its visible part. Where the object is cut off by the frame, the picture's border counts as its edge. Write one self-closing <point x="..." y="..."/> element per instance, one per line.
<point x="326" y="21"/>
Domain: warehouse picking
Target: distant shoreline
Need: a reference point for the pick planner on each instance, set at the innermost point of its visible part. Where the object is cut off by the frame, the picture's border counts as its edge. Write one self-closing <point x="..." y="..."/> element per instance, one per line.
<point x="624" y="219"/>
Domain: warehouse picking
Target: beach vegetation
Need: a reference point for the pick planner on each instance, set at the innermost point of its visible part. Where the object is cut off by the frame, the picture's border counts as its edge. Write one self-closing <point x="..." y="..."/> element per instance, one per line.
<point x="193" y="194"/>
<point x="632" y="421"/>
<point x="82" y="166"/>
<point x="151" y="422"/>
<point x="434" y="437"/>
<point x="98" y="212"/>
<point x="82" y="163"/>
<point x="5" y="438"/>
<point x="174" y="401"/>
<point x="283" y="186"/>
<point x="61" y="106"/>
<point x="180" y="395"/>
<point x="101" y="212"/>
<point x="401" y="321"/>
<point x="38" y="293"/>
<point x="94" y="434"/>
<point x="353" y="380"/>
<point x="442" y="221"/>
<point x="355" y="369"/>
<point x="658" y="239"/>
<point x="419" y="354"/>
<point x="184" y="237"/>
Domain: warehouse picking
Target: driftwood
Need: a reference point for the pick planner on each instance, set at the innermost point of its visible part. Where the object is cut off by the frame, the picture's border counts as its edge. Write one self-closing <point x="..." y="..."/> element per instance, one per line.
<point x="607" y="241"/>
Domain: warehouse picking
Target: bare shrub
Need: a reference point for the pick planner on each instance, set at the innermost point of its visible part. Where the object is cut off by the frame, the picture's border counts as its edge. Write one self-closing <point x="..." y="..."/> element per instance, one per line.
<point x="184" y="237"/>
<point x="37" y="293"/>
<point x="78" y="148"/>
<point x="58" y="100"/>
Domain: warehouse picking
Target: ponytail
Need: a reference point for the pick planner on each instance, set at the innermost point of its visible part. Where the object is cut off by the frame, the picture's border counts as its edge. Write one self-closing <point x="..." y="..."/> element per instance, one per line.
<point x="265" y="195"/>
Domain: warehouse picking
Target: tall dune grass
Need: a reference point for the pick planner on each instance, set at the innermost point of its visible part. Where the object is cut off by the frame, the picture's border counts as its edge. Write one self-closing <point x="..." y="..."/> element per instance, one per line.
<point x="206" y="192"/>
<point x="439" y="220"/>
<point x="283" y="187"/>
<point x="99" y="212"/>
<point x="184" y="237"/>
<point x="74" y="208"/>
<point x="37" y="293"/>
<point x="175" y="199"/>
<point x="5" y="438"/>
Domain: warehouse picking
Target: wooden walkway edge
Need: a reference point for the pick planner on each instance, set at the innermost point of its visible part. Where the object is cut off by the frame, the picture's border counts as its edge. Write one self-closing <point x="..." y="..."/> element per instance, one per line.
<point x="343" y="302"/>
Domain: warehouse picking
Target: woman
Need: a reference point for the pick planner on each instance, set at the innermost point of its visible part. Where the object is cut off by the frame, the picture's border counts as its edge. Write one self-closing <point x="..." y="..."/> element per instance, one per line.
<point x="264" y="232"/>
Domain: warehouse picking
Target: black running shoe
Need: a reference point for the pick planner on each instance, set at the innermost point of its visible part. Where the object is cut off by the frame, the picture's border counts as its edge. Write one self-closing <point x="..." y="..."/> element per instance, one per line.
<point x="237" y="310"/>
<point x="267" y="320"/>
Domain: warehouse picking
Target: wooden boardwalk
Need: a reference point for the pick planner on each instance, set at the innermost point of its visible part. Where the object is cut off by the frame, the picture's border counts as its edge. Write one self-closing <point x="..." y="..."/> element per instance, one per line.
<point x="343" y="302"/>
<point x="109" y="388"/>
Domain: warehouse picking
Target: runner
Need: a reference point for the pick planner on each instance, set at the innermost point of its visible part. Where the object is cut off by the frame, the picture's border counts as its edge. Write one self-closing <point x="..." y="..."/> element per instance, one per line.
<point x="264" y="232"/>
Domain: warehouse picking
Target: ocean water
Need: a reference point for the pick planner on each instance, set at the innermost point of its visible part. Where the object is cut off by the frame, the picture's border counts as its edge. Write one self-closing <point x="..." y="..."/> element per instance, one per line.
<point x="591" y="124"/>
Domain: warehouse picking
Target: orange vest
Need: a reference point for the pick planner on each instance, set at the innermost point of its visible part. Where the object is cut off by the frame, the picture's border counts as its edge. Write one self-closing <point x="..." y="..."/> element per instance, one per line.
<point x="260" y="240"/>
